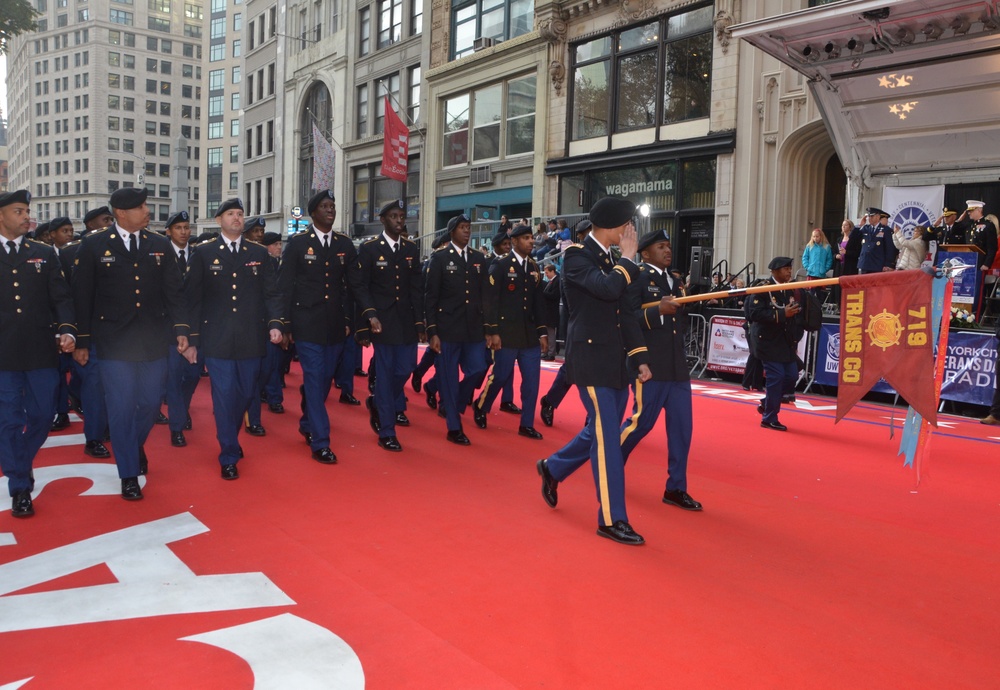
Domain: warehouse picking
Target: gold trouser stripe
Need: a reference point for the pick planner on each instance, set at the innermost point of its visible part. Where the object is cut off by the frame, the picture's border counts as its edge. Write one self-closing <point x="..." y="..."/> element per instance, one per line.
<point x="486" y="388"/>
<point x="602" y="464"/>
<point x="634" y="421"/>
<point x="246" y="418"/>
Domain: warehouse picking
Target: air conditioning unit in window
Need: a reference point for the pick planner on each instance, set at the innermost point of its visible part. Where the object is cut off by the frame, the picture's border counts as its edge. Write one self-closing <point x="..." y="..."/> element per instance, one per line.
<point x="480" y="174"/>
<point x="483" y="42"/>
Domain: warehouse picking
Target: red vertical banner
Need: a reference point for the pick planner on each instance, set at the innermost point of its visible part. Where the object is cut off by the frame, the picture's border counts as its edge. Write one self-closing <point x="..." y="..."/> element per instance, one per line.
<point x="395" y="145"/>
<point x="885" y="333"/>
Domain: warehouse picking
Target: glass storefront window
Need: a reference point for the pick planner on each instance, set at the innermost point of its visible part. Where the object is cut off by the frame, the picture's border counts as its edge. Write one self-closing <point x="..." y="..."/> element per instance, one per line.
<point x="486" y="110"/>
<point x="456" y="127"/>
<point x="699" y="184"/>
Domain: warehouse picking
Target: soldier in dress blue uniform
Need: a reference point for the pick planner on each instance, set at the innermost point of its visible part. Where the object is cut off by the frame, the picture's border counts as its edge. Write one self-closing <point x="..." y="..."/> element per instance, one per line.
<point x="128" y="295"/>
<point x="429" y="356"/>
<point x="273" y="388"/>
<point x="602" y="334"/>
<point x="453" y="304"/>
<point x="97" y="219"/>
<point x="947" y="230"/>
<point x="388" y="291"/>
<point x="515" y="329"/>
<point x="36" y="323"/>
<point x="664" y="323"/>
<point x="60" y="234"/>
<point x="253" y="231"/>
<point x="182" y="375"/>
<point x="235" y="309"/>
<point x="313" y="283"/>
<point x="878" y="253"/>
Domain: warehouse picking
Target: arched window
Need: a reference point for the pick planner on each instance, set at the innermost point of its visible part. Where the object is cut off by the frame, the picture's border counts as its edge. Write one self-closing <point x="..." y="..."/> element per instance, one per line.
<point x="317" y="110"/>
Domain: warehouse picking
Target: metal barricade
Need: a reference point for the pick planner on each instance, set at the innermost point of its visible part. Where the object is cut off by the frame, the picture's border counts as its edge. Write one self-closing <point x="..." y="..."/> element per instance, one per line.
<point x="695" y="342"/>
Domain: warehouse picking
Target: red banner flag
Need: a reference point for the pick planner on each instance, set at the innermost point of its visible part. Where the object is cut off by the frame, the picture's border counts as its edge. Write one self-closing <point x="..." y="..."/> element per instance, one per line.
<point x="885" y="332"/>
<point x="395" y="145"/>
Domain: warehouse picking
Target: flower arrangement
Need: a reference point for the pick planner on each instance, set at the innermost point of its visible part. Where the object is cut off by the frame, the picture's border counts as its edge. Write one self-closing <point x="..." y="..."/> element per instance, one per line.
<point x="962" y="318"/>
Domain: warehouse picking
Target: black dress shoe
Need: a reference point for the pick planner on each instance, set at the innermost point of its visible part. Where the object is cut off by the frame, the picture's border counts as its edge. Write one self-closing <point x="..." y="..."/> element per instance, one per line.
<point x="241" y="452"/>
<point x="441" y="413"/>
<point x="432" y="400"/>
<point x="416" y="382"/>
<point x="548" y="412"/>
<point x="230" y="472"/>
<point x="681" y="499"/>
<point x="479" y="416"/>
<point x="130" y="489"/>
<point x="360" y="372"/>
<point x="348" y="399"/>
<point x="161" y="418"/>
<point x="777" y="426"/>
<point x="187" y="424"/>
<point x="74" y="404"/>
<point x="307" y="436"/>
<point x="263" y="396"/>
<point x="390" y="443"/>
<point x="373" y="419"/>
<point x="402" y="419"/>
<point x="60" y="422"/>
<point x="458" y="437"/>
<point x="622" y="533"/>
<point x="143" y="462"/>
<point x="177" y="439"/>
<point x="510" y="408"/>
<point x="550" y="487"/>
<point x="21" y="505"/>
<point x="760" y="408"/>
<point x="96" y="449"/>
<point x="325" y="456"/>
<point x="256" y="430"/>
<point x="530" y="432"/>
<point x="277" y="408"/>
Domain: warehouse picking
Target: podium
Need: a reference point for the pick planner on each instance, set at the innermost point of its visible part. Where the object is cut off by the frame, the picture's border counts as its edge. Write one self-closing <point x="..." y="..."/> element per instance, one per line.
<point x="968" y="283"/>
<point x="961" y="248"/>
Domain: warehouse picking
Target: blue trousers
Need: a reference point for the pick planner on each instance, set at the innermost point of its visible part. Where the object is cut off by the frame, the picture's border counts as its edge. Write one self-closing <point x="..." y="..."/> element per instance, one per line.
<point x="559" y="388"/>
<point x="344" y="375"/>
<point x="62" y="399"/>
<point x="319" y="365"/>
<point x="455" y="396"/>
<point x="27" y="405"/>
<point x="426" y="362"/>
<point x="95" y="411"/>
<point x="182" y="379"/>
<point x="507" y="387"/>
<point x="394" y="364"/>
<point x="271" y="374"/>
<point x="269" y="364"/>
<point x="674" y="398"/>
<point x="132" y="393"/>
<point x="779" y="380"/>
<point x="599" y="442"/>
<point x="529" y="363"/>
<point x="234" y="383"/>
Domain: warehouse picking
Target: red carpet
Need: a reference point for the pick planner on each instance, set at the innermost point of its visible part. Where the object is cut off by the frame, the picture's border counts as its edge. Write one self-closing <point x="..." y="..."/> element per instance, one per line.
<point x="816" y="563"/>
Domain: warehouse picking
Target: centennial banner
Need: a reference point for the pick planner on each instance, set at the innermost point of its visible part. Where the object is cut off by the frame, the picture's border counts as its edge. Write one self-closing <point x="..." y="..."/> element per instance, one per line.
<point x="885" y="327"/>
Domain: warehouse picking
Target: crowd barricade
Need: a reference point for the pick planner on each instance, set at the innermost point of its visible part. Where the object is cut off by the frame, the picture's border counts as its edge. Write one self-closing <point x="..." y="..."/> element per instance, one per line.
<point x="694" y="343"/>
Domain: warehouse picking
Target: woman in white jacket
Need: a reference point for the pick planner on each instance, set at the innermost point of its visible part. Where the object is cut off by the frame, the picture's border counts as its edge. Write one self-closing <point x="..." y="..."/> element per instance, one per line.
<point x="913" y="251"/>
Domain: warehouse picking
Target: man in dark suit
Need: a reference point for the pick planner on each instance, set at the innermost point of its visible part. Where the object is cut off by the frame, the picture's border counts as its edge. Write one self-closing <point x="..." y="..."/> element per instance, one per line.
<point x="775" y="331"/>
<point x="453" y="304"/>
<point x="552" y="297"/>
<point x="313" y="284"/>
<point x="128" y="295"/>
<point x="235" y="309"/>
<point x="664" y="323"/>
<point x="182" y="375"/>
<point x="388" y="292"/>
<point x="36" y="323"/>
<point x="602" y="334"/>
<point x="515" y="329"/>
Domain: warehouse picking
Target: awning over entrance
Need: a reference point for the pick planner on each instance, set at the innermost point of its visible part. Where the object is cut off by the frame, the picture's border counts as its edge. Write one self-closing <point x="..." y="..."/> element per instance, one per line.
<point x="904" y="87"/>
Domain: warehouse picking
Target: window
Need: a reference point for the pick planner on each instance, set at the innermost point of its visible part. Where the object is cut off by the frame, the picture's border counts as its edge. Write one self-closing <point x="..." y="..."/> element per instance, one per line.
<point x="165" y="150"/>
<point x="164" y="129"/>
<point x="187" y="71"/>
<point x="121" y="17"/>
<point x="503" y="122"/>
<point x="238" y="21"/>
<point x="390" y="82"/>
<point x="250" y="94"/>
<point x="152" y="64"/>
<point x="214" y="106"/>
<point x="165" y="88"/>
<point x="520" y="116"/>
<point x="113" y="166"/>
<point x="166" y="46"/>
<point x="237" y="48"/>
<point x="128" y="83"/>
<point x="114" y="81"/>
<point x="128" y="167"/>
<point x="150" y="127"/>
<point x="112" y="146"/>
<point x="214" y="130"/>
<point x="456" y="128"/>
<point x="215" y="79"/>
<point x="390" y="22"/>
<point x="413" y="96"/>
<point x="151" y="107"/>
<point x="114" y="102"/>
<point x="217" y="52"/>
<point x="193" y="11"/>
<point x="362" y="111"/>
<point x="416" y="17"/>
<point x="234" y="180"/>
<point x="215" y="157"/>
<point x="129" y="61"/>
<point x="218" y="28"/>
<point x="114" y="60"/>
<point x="83" y="15"/>
<point x="496" y="19"/>
<point x="150" y="87"/>
<point x="158" y="24"/>
<point x="192" y="31"/>
<point x="234" y="127"/>
<point x="235" y="101"/>
<point x="270" y="136"/>
<point x="166" y="67"/>
<point x="165" y="109"/>
<point x="486" y="104"/>
<point x="364" y="31"/>
<point x="218" y="6"/>
<point x="234" y="155"/>
<point x="150" y="148"/>
<point x="128" y="103"/>
<point x="164" y="170"/>
<point x="237" y="75"/>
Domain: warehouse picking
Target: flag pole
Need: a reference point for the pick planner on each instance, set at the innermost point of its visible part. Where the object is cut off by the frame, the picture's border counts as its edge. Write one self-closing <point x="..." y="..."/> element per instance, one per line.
<point x="322" y="131"/>
<point x="400" y="108"/>
<point x="738" y="292"/>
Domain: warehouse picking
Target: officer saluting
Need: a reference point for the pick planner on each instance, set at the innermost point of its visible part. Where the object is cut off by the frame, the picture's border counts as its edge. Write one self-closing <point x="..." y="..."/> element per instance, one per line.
<point x="877" y="251"/>
<point x="36" y="323"/>
<point x="235" y="309"/>
<point x="981" y="233"/>
<point x="127" y="291"/>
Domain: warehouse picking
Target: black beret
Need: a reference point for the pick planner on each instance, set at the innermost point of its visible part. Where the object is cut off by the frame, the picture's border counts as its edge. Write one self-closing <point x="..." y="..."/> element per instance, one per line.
<point x="395" y="203"/>
<point x="128" y="197"/>
<point x="583" y="226"/>
<point x="875" y="211"/>
<point x="317" y="198"/>
<point x="252" y="223"/>
<point x="453" y="223"/>
<point x="229" y="205"/>
<point x="57" y="223"/>
<point x="500" y="238"/>
<point x="779" y="262"/>
<point x="271" y="238"/>
<point x="441" y="240"/>
<point x="42" y="229"/>
<point x="91" y="215"/>
<point x="520" y="230"/>
<point x="207" y="237"/>
<point x="611" y="212"/>
<point x="19" y="196"/>
<point x="179" y="217"/>
<point x="651" y="238"/>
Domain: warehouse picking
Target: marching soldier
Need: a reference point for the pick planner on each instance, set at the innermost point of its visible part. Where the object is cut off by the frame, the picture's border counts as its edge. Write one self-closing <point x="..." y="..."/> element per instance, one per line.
<point x="182" y="375"/>
<point x="273" y="384"/>
<point x="97" y="219"/>
<point x="128" y="295"/>
<point x="61" y="234"/>
<point x="253" y="231"/>
<point x="515" y="329"/>
<point x="36" y="323"/>
<point x="235" y="308"/>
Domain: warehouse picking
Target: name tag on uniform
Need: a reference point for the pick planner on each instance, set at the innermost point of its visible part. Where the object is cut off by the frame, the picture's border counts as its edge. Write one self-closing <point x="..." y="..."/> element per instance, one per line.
<point x="215" y="266"/>
<point x="451" y="267"/>
<point x="309" y="256"/>
<point x="107" y="259"/>
<point x="381" y="263"/>
<point x="654" y="289"/>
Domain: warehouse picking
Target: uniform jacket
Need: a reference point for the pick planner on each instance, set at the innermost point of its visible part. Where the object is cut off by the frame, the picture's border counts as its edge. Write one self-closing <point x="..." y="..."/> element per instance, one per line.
<point x="234" y="299"/>
<point x="313" y="281"/>
<point x="552" y="292"/>
<point x="389" y="287"/>
<point x="982" y="234"/>
<point x="877" y="250"/>
<point x="950" y="234"/>
<point x="602" y="329"/>
<point x="664" y="335"/>
<point x="67" y="255"/>
<point x="453" y="295"/>
<point x="773" y="337"/>
<point x="516" y="306"/>
<point x="128" y="309"/>
<point x="35" y="306"/>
